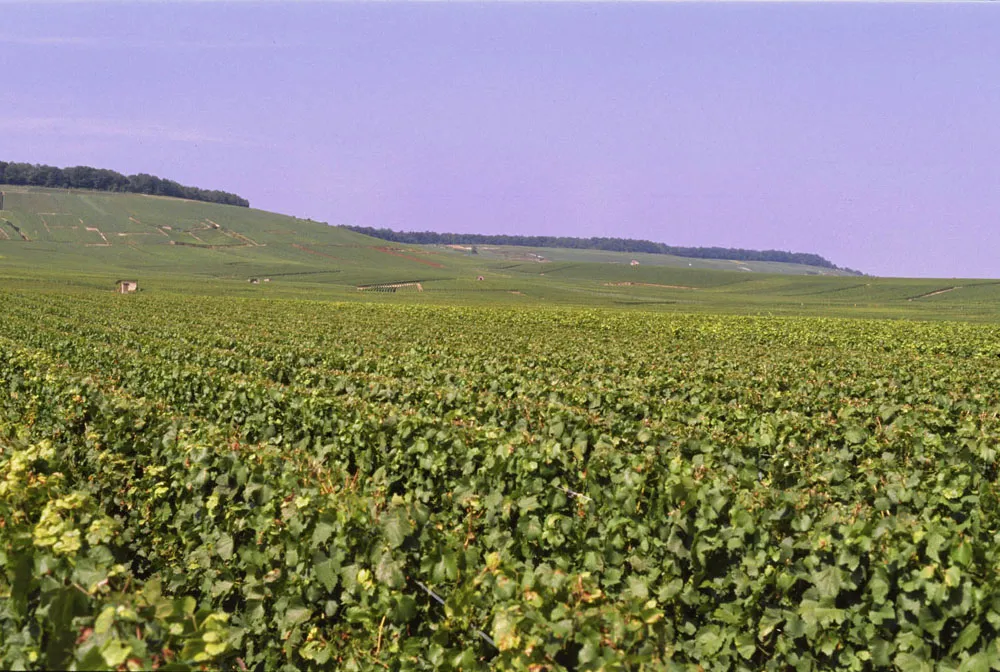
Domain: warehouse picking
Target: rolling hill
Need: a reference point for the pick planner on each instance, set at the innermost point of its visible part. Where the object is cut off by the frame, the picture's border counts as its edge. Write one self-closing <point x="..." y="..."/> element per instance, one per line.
<point x="606" y="244"/>
<point x="87" y="240"/>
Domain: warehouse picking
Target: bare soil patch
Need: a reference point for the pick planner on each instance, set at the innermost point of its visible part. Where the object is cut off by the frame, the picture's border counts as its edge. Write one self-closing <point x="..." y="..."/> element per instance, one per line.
<point x="936" y="292"/>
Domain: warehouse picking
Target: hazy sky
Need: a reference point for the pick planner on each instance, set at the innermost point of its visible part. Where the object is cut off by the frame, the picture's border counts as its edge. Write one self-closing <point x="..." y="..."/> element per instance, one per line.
<point x="868" y="133"/>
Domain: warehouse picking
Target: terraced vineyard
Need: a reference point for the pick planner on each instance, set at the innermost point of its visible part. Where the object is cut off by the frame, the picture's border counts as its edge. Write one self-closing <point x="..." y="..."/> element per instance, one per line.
<point x="292" y="485"/>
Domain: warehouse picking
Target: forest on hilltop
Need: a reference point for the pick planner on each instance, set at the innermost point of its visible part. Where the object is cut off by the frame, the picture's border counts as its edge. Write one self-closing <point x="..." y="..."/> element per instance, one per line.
<point x="102" y="179"/>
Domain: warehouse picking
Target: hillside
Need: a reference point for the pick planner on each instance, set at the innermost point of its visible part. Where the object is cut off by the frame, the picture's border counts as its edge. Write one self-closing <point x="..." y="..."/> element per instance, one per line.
<point x="604" y="244"/>
<point x="95" y="231"/>
<point x="88" y="240"/>
<point x="107" y="234"/>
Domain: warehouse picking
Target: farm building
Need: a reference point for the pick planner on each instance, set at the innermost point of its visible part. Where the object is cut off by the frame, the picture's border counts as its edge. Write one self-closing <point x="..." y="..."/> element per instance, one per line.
<point x="126" y="286"/>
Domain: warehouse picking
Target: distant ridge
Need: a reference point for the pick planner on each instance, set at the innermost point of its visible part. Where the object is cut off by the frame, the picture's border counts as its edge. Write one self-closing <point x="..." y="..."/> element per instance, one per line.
<point x="102" y="179"/>
<point x="606" y="244"/>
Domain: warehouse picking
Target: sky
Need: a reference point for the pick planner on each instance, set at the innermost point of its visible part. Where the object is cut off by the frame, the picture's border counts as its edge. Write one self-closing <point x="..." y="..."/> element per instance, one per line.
<point x="867" y="133"/>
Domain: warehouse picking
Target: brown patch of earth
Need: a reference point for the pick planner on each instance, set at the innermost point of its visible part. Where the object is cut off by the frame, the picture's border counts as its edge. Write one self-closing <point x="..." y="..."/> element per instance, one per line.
<point x="936" y="292"/>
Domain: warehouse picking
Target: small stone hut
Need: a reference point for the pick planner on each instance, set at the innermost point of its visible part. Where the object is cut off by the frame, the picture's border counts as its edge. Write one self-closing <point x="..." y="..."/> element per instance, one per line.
<point x="126" y="286"/>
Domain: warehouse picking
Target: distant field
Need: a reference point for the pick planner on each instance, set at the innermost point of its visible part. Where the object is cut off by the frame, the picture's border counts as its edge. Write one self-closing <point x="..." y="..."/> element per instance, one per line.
<point x="88" y="240"/>
<point x="624" y="258"/>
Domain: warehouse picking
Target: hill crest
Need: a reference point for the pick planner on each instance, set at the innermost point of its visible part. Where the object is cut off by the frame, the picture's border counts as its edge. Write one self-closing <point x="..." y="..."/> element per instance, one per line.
<point x="629" y="245"/>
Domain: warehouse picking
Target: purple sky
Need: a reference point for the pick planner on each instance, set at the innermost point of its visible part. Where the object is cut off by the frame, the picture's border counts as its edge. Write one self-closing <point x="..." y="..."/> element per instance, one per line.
<point x="868" y="133"/>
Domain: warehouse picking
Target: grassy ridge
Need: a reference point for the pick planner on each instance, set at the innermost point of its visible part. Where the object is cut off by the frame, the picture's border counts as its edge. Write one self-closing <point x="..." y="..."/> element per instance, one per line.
<point x="628" y="245"/>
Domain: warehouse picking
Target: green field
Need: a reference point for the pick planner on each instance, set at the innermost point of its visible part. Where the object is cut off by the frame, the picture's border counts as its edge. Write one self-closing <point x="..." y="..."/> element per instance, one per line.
<point x="294" y="485"/>
<point x="193" y="248"/>
<point x="518" y="253"/>
<point x="571" y="464"/>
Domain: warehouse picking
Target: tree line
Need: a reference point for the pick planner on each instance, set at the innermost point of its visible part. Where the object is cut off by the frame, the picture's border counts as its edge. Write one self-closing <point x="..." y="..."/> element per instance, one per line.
<point x="102" y="179"/>
<point x="606" y="244"/>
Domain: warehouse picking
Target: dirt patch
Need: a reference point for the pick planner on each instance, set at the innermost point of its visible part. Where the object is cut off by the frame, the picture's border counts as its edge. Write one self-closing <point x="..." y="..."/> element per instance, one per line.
<point x="246" y="240"/>
<point x="96" y="230"/>
<point x="514" y="291"/>
<point x="17" y="230"/>
<point x="646" y="284"/>
<point x="936" y="292"/>
<point x="397" y="253"/>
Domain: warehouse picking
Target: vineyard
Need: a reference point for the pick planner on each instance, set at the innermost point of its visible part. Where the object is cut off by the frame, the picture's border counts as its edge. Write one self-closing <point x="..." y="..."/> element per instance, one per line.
<point x="248" y="484"/>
